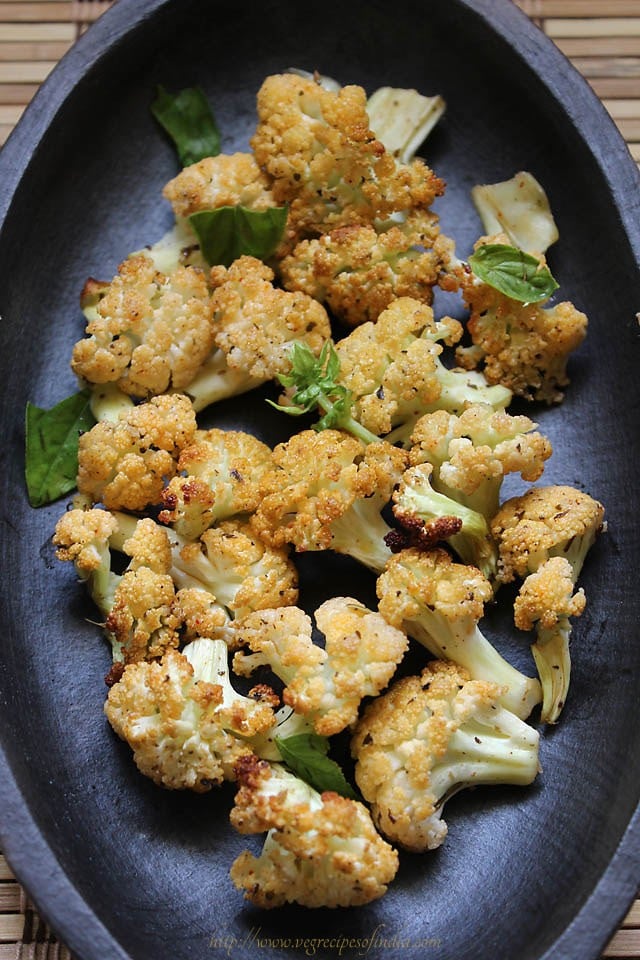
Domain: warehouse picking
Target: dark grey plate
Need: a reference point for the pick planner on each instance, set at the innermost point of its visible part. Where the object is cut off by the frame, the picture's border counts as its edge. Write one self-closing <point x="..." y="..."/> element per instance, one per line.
<point x="122" y="869"/>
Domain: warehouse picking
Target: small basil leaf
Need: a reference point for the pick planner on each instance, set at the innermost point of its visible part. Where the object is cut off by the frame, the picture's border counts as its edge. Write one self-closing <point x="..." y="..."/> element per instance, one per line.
<point x="51" y="466"/>
<point x="513" y="272"/>
<point x="227" y="233"/>
<point x="306" y="755"/>
<point x="189" y="121"/>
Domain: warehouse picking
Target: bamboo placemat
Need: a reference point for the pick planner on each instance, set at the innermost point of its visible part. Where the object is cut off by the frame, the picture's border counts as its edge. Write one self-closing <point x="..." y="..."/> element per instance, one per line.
<point x="601" y="37"/>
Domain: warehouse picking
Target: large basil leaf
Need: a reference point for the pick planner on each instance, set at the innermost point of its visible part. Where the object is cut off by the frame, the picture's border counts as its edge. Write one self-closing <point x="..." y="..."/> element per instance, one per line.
<point x="513" y="272"/>
<point x="51" y="461"/>
<point x="189" y="121"/>
<point x="229" y="232"/>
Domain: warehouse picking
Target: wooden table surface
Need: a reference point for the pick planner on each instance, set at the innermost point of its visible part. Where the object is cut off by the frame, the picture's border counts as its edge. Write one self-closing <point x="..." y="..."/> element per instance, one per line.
<point x="601" y="37"/>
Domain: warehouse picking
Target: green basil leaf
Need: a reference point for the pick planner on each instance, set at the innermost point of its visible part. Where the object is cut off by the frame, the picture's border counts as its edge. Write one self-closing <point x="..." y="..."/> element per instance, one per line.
<point x="306" y="755"/>
<point x="51" y="466"/>
<point x="227" y="233"/>
<point x="513" y="272"/>
<point x="189" y="121"/>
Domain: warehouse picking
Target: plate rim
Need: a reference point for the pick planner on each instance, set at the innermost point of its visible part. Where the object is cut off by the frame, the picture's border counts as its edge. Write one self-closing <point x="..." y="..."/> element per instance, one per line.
<point x="59" y="902"/>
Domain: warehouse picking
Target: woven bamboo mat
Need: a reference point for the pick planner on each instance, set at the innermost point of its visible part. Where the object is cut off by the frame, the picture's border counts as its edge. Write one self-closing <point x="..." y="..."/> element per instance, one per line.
<point x="601" y="37"/>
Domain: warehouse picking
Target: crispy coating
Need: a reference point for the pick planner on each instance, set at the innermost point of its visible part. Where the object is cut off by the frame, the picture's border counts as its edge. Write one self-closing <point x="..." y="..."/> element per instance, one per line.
<point x="147" y="332"/>
<point x="179" y="728"/>
<point x="202" y="615"/>
<point x="326" y="163"/>
<point x="429" y="578"/>
<point x="547" y="596"/>
<point x="392" y="367"/>
<point x="545" y="522"/>
<point x="357" y="270"/>
<point x="316" y="478"/>
<point x="227" y="180"/>
<point x="144" y="619"/>
<point x="326" y="684"/>
<point x="440" y="604"/>
<point x="82" y="537"/>
<point x="242" y="572"/>
<point x="256" y="323"/>
<point x="149" y="547"/>
<point x="546" y="600"/>
<point x="221" y="473"/>
<point x="471" y="453"/>
<point x="477" y="445"/>
<point x="124" y="464"/>
<point x="428" y="737"/>
<point x="322" y="850"/>
<point x="525" y="347"/>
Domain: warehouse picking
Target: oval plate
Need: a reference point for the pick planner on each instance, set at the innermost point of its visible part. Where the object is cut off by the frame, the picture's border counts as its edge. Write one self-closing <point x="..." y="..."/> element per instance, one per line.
<point x="122" y="869"/>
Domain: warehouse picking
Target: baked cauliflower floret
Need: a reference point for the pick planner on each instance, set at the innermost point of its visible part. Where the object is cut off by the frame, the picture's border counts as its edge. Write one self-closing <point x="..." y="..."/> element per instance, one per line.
<point x="358" y="270"/>
<point x="326" y="491"/>
<point x="325" y="162"/>
<point x="326" y="685"/>
<point x="147" y="332"/>
<point x="144" y="620"/>
<point x="255" y="327"/>
<point x="472" y="452"/>
<point x="82" y="538"/>
<point x="220" y="472"/>
<point x="439" y="603"/>
<point x="124" y="464"/>
<point x="148" y="546"/>
<point x="428" y="737"/>
<point x="321" y="850"/>
<point x="546" y="601"/>
<point x="459" y="463"/>
<point x="183" y="719"/>
<point x="231" y="571"/>
<point x="227" y="180"/>
<point x="243" y="573"/>
<point x="428" y="516"/>
<point x="523" y="346"/>
<point x="394" y="373"/>
<point x="554" y="521"/>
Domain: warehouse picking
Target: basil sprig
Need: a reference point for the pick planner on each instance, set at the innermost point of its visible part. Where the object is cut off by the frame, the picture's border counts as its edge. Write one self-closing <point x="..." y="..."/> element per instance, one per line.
<point x="306" y="755"/>
<point x="227" y="233"/>
<point x="188" y="119"/>
<point x="513" y="272"/>
<point x="51" y="461"/>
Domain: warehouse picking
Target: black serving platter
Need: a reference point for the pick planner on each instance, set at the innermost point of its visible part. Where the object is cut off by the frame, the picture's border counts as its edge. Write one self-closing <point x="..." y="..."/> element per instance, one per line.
<point x="122" y="869"/>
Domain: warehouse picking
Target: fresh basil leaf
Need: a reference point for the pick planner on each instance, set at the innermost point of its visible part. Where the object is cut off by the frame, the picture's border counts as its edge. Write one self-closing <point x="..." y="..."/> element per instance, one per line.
<point x="189" y="121"/>
<point x="227" y="233"/>
<point x="513" y="272"/>
<point x="51" y="462"/>
<point x="306" y="755"/>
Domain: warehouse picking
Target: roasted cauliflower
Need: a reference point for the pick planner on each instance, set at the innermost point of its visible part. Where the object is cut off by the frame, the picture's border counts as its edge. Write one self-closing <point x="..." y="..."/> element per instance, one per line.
<point x="219" y="475"/>
<point x="325" y="491"/>
<point x="439" y="603"/>
<point x="357" y="270"/>
<point x="321" y="850"/>
<point x="393" y="371"/>
<point x="183" y="719"/>
<point x="546" y="600"/>
<point x="255" y="326"/>
<point x="325" y="685"/>
<point x="523" y="346"/>
<point x="125" y="464"/>
<point x="316" y="147"/>
<point x="428" y="737"/>
<point x="147" y="332"/>
<point x="554" y="521"/>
